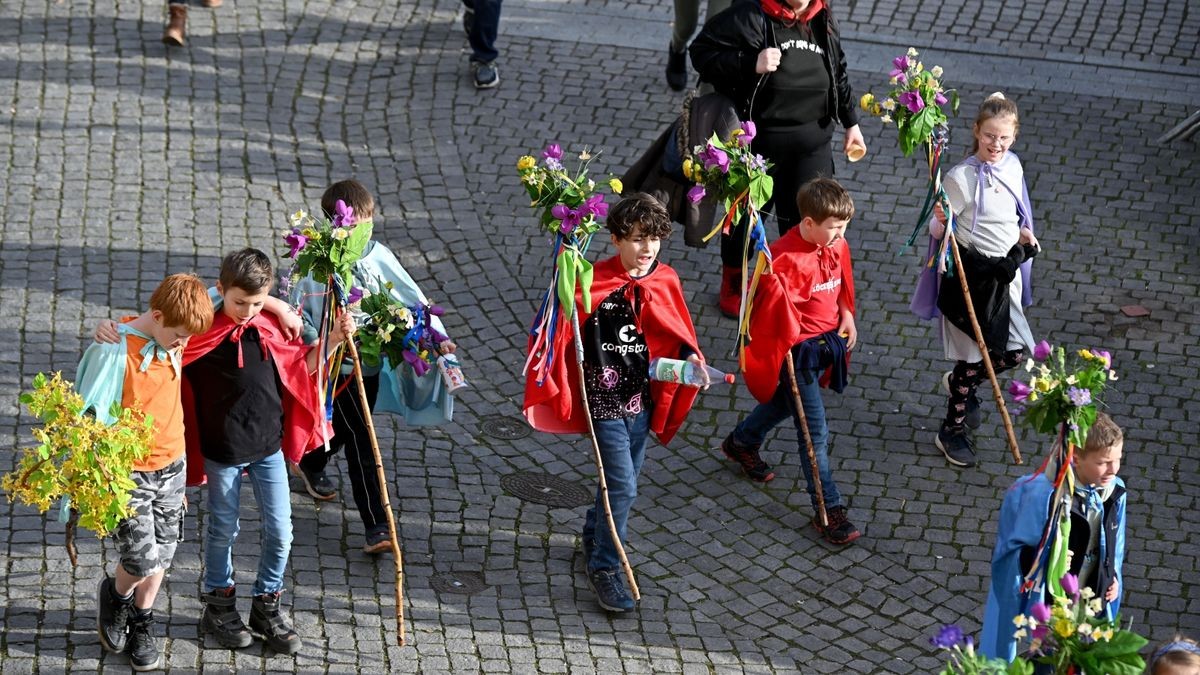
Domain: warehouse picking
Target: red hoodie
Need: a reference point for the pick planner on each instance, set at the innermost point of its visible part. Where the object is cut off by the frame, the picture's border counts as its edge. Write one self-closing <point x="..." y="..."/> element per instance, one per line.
<point x="664" y="321"/>
<point x="304" y="425"/>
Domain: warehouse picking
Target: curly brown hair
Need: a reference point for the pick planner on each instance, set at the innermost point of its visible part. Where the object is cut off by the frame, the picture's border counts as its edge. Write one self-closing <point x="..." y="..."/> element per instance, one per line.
<point x="639" y="212"/>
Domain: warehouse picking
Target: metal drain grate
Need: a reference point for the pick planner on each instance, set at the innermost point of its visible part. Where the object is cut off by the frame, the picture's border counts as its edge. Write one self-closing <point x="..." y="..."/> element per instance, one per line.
<point x="459" y="583"/>
<point x="507" y="428"/>
<point x="543" y="488"/>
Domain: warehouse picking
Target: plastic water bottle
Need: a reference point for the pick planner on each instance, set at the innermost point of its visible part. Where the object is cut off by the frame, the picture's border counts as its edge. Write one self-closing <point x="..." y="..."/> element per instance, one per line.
<point x="686" y="372"/>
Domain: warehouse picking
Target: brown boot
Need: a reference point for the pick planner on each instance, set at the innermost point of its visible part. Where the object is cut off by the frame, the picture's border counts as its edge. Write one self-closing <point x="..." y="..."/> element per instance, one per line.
<point x="731" y="291"/>
<point x="176" y="26"/>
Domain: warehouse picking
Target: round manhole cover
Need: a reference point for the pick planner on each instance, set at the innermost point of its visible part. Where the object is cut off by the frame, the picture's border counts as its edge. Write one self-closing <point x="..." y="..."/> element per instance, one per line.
<point x="507" y="428"/>
<point x="543" y="488"/>
<point x="461" y="583"/>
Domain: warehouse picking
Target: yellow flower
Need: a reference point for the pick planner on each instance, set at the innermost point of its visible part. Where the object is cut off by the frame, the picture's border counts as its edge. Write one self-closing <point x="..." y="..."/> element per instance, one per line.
<point x="341" y="233"/>
<point x="1033" y="396"/>
<point x="687" y="169"/>
<point x="867" y="102"/>
<point x="1020" y="621"/>
<point x="1086" y="354"/>
<point x="526" y="163"/>
<point x="310" y="233"/>
<point x="920" y="66"/>
<point x="617" y="186"/>
<point x="1062" y="628"/>
<point x="1107" y="634"/>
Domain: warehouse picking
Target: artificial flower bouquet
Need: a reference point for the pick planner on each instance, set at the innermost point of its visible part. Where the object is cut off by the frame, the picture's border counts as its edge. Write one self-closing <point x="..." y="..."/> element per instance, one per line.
<point x="400" y="333"/>
<point x="730" y="172"/>
<point x="1063" y="390"/>
<point x="326" y="248"/>
<point x="915" y="101"/>
<point x="568" y="199"/>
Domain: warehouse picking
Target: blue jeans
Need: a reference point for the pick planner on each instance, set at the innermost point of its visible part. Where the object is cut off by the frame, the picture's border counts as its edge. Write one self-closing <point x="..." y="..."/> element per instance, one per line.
<point x="623" y="449"/>
<point x="754" y="429"/>
<point x="483" y="33"/>
<point x="268" y="478"/>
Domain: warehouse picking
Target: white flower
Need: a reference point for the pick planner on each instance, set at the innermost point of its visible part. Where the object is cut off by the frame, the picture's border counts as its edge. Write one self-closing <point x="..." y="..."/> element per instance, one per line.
<point x="341" y="233"/>
<point x="912" y="53"/>
<point x="1087" y="593"/>
<point x="1029" y="364"/>
<point x="1020" y="634"/>
<point x="886" y="119"/>
<point x="936" y="71"/>
<point x="1094" y="605"/>
<point x="1085" y="628"/>
<point x="1070" y="379"/>
<point x="298" y="217"/>
<point x="1020" y="620"/>
<point x="894" y="80"/>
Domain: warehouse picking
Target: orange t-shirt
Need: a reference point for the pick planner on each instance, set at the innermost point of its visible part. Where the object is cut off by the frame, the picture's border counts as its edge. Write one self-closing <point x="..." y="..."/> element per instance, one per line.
<point x="157" y="392"/>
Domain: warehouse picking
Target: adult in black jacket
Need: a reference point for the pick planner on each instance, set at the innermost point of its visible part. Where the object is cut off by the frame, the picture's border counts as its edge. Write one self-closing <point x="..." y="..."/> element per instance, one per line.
<point x="782" y="64"/>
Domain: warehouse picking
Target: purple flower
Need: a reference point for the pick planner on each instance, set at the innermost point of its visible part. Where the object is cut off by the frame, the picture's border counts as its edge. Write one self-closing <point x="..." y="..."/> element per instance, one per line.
<point x="552" y="151"/>
<point x="554" y="164"/>
<point x="570" y="217"/>
<point x="714" y="156"/>
<point x="758" y="162"/>
<point x="1070" y="585"/>
<point x="1078" y="396"/>
<point x="419" y="366"/>
<point x="343" y="214"/>
<point x="900" y="66"/>
<point x="948" y="637"/>
<point x="912" y="100"/>
<point x="1040" y="612"/>
<point x="1042" y="351"/>
<point x="595" y="206"/>
<point x="1019" y="390"/>
<point x="436" y="310"/>
<point x="749" y="131"/>
<point x="355" y="295"/>
<point x="1103" y="356"/>
<point x="1039" y="632"/>
<point x="939" y="99"/>
<point x="696" y="193"/>
<point x="296" y="242"/>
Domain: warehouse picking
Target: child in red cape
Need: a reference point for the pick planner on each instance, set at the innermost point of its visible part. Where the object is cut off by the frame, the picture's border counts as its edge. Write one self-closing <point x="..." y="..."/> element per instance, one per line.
<point x="805" y="306"/>
<point x="249" y="400"/>
<point x="640" y="315"/>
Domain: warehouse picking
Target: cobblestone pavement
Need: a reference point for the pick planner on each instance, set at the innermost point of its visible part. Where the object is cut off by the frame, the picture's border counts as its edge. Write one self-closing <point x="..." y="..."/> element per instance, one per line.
<point x="121" y="162"/>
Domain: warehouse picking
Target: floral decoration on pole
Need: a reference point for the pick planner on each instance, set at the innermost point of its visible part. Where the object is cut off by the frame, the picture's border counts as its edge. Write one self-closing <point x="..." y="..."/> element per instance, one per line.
<point x="1064" y="390"/>
<point x="737" y="177"/>
<point x="914" y="103"/>
<point x="572" y="210"/>
<point x="328" y="247"/>
<point x="79" y="459"/>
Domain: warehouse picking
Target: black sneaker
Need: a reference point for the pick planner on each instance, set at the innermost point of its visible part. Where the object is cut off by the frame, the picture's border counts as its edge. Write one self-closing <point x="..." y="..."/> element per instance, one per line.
<point x="747" y="456"/>
<point x="113" y="614"/>
<point x="487" y="75"/>
<point x="840" y="530"/>
<point x="378" y="542"/>
<point x="974" y="416"/>
<point x="956" y="446"/>
<point x="589" y="545"/>
<point x="610" y="590"/>
<point x="677" y="75"/>
<point x="468" y="21"/>
<point x="316" y="483"/>
<point x="143" y="648"/>
<point x="221" y="619"/>
<point x="268" y="623"/>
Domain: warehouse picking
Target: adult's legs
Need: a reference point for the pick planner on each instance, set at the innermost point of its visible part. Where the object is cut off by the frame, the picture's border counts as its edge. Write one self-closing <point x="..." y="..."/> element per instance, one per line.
<point x="483" y="30"/>
<point x="797" y="154"/>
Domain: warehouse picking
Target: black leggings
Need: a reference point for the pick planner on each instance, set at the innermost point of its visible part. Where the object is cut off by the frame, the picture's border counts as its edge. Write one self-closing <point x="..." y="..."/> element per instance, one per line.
<point x="966" y="377"/>
<point x="350" y="431"/>
<point x="798" y="154"/>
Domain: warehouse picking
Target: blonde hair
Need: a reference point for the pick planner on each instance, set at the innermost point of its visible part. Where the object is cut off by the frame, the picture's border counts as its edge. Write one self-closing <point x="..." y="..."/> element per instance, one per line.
<point x="995" y="105"/>
<point x="1103" y="435"/>
<point x="1172" y="658"/>
<point x="184" y="303"/>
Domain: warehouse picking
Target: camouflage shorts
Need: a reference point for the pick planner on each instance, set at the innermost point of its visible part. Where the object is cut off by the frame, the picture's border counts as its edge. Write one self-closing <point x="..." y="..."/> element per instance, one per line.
<point x="148" y="538"/>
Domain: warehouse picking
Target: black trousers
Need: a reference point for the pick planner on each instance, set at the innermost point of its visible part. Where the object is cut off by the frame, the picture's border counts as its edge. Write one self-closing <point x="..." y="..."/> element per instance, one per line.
<point x="798" y="154"/>
<point x="350" y="432"/>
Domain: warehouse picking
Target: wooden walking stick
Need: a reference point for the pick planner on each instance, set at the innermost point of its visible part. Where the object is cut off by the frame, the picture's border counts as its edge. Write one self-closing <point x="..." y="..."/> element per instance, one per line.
<point x="383" y="486"/>
<point x="812" y="455"/>
<point x="987" y="359"/>
<point x="612" y="525"/>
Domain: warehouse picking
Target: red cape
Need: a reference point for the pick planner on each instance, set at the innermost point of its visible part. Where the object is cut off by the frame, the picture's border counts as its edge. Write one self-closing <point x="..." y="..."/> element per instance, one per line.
<point x="556" y="407"/>
<point x="778" y="320"/>
<point x="304" y="425"/>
